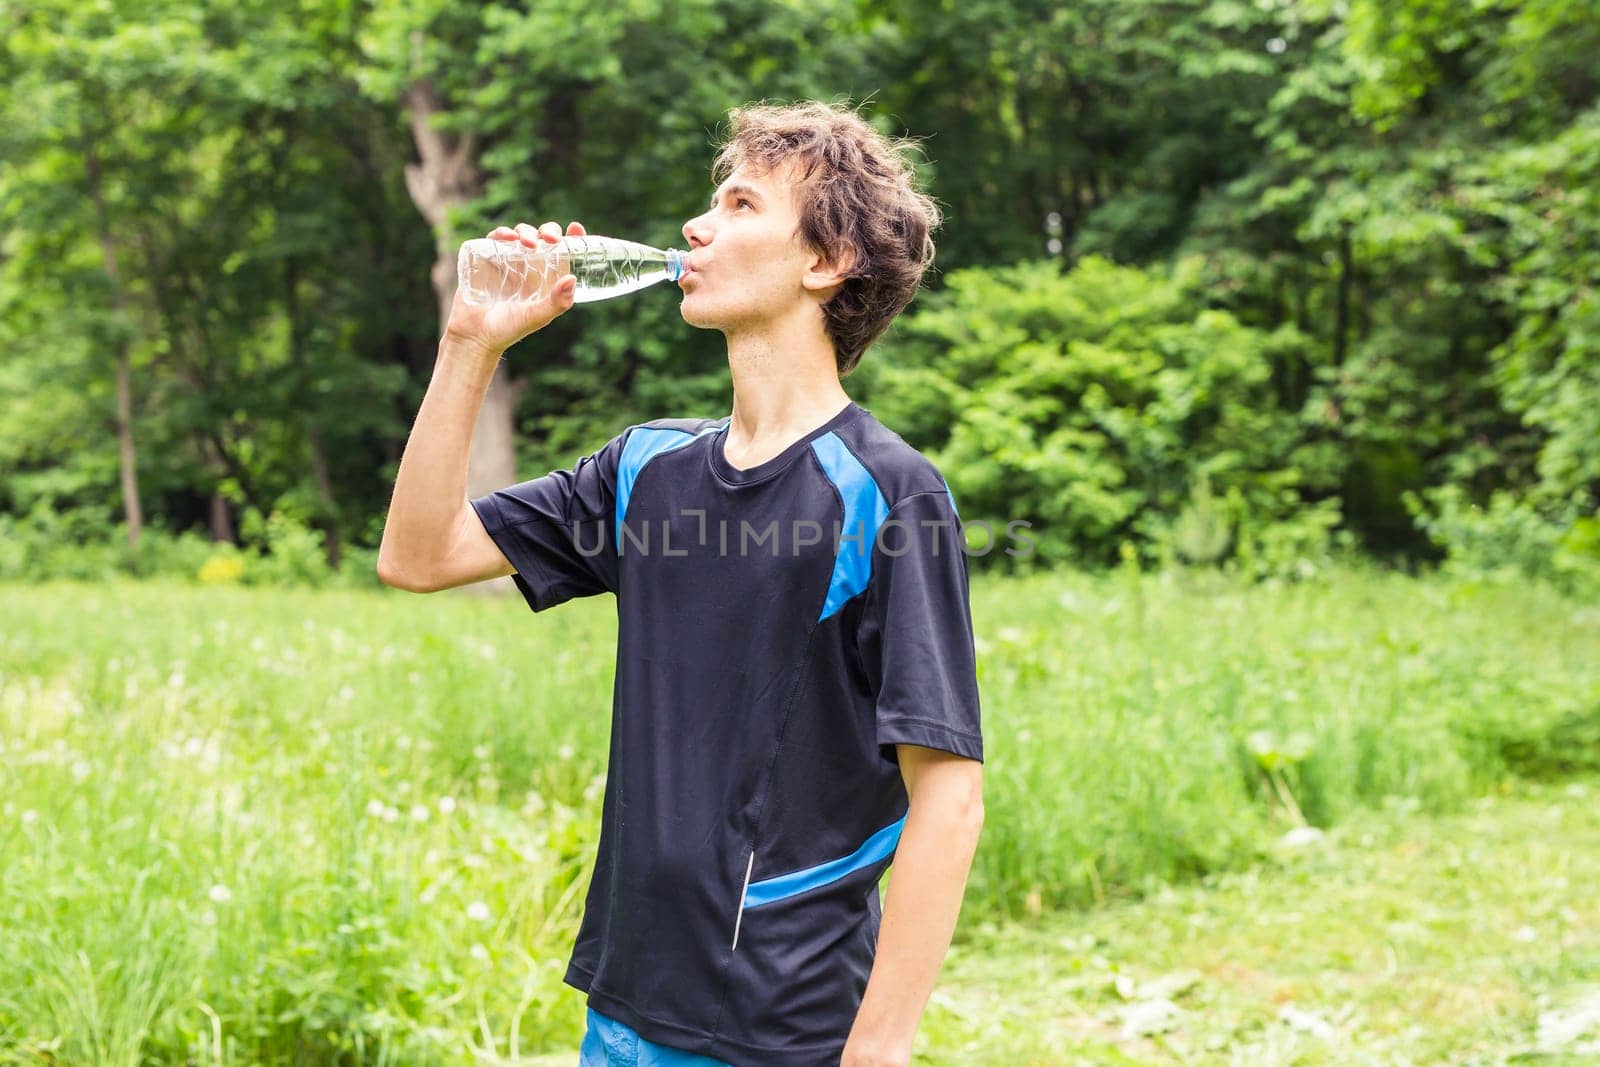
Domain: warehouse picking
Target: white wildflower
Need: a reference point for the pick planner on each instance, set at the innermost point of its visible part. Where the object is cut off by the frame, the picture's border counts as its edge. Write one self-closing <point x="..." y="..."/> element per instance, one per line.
<point x="478" y="911"/>
<point x="447" y="805"/>
<point x="419" y="813"/>
<point x="375" y="808"/>
<point x="479" y="953"/>
<point x="1302" y="837"/>
<point x="219" y="894"/>
<point x="1306" y="1022"/>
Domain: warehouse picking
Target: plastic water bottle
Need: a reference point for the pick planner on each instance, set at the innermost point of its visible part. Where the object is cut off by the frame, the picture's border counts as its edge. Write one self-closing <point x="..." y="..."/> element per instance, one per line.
<point x="493" y="272"/>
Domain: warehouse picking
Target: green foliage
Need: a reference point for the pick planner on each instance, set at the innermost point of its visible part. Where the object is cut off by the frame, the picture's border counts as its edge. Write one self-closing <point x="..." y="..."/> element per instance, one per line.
<point x="1322" y="258"/>
<point x="1420" y="210"/>
<point x="1201" y="533"/>
<point x="196" y="187"/>
<point x="86" y="544"/>
<point x="57" y="544"/>
<point x="1094" y="403"/>
<point x="1279" y="759"/>
<point x="1511" y="539"/>
<point x="1551" y="747"/>
<point x="294" y="554"/>
<point x="1537" y="210"/>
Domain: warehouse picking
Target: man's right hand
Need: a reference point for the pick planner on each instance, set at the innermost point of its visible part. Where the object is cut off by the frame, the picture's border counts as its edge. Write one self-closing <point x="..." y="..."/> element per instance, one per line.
<point x="494" y="328"/>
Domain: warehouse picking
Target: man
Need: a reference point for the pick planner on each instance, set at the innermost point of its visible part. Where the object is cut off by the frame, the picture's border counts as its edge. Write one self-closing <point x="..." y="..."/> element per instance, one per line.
<point x="796" y="699"/>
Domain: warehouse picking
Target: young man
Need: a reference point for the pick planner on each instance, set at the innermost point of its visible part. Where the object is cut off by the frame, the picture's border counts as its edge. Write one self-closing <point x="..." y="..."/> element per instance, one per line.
<point x="796" y="699"/>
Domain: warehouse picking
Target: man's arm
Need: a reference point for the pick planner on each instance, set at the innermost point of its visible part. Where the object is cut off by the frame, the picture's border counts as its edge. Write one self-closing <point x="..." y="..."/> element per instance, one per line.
<point x="926" y="883"/>
<point x="430" y="524"/>
<point x="432" y="539"/>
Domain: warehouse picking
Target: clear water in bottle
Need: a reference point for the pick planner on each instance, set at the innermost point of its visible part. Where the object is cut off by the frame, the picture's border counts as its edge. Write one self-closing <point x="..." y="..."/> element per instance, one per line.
<point x="494" y="272"/>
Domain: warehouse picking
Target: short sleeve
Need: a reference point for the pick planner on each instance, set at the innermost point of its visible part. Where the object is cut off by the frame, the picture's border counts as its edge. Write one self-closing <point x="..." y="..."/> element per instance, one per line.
<point x="915" y="639"/>
<point x="556" y="530"/>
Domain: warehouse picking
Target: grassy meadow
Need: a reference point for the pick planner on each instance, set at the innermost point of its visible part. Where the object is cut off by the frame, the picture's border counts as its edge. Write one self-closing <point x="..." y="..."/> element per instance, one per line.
<point x="250" y="826"/>
<point x="1471" y="938"/>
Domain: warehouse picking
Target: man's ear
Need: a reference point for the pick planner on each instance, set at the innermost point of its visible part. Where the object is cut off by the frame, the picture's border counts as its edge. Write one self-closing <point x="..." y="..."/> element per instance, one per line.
<point x="825" y="274"/>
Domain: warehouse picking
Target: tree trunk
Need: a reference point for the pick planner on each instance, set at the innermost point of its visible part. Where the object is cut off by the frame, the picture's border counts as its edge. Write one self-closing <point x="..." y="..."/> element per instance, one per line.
<point x="221" y="520"/>
<point x="445" y="177"/>
<point x="127" y="453"/>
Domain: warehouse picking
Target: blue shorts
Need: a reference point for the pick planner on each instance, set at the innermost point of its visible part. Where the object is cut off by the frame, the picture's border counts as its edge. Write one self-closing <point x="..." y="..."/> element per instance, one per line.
<point x="609" y="1043"/>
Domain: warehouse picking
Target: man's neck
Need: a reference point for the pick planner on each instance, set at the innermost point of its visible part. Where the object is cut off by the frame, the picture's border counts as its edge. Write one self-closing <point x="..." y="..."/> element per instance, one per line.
<point x="785" y="384"/>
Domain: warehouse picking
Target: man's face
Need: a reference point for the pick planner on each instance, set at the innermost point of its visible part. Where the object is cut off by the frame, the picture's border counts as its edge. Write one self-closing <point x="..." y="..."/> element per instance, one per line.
<point x="749" y="263"/>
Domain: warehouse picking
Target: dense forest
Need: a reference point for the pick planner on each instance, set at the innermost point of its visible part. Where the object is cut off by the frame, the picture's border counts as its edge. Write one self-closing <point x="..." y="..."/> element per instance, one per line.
<point x="1250" y="284"/>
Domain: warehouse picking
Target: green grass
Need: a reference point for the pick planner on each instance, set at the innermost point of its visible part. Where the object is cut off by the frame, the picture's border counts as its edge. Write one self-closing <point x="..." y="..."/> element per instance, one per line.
<point x="248" y="826"/>
<point x="1399" y="939"/>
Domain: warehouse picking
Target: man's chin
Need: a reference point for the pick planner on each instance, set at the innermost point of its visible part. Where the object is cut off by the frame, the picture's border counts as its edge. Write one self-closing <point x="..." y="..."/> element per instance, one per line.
<point x="694" y="316"/>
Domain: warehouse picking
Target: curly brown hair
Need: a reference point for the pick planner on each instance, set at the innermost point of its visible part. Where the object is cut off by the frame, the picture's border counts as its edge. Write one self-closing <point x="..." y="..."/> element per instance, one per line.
<point x="858" y="203"/>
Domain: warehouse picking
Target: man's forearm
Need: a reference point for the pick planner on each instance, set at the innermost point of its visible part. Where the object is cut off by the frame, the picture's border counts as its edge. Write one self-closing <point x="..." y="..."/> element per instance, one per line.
<point x="431" y="484"/>
<point x="920" y="909"/>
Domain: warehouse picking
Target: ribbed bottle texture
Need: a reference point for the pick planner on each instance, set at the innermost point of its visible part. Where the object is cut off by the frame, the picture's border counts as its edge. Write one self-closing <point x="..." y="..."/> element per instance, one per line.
<point x="493" y="272"/>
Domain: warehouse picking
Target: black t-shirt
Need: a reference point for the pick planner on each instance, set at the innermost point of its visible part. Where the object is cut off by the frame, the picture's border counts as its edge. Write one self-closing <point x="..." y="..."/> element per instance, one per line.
<point x="780" y="629"/>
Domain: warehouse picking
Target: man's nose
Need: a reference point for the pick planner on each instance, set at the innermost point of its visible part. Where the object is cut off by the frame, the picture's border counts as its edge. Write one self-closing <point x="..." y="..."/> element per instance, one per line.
<point x="694" y="233"/>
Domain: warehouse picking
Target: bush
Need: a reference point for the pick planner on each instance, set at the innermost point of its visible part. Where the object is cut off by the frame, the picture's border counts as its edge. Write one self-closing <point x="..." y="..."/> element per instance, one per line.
<point x="46" y="543"/>
<point x="1108" y="403"/>
<point x="164" y="554"/>
<point x="358" y="568"/>
<point x="84" y="544"/>
<point x="1512" y="538"/>
<point x="293" y="554"/>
